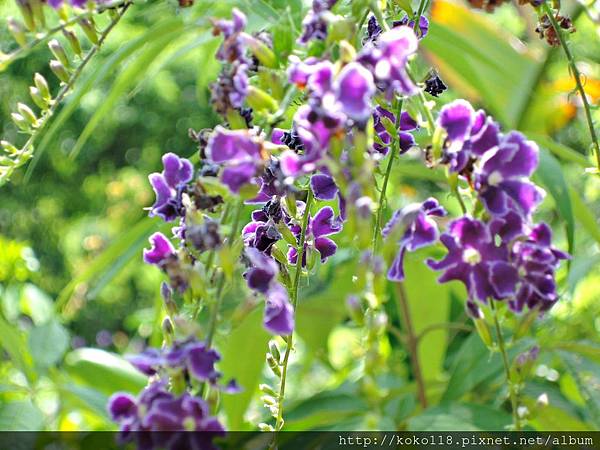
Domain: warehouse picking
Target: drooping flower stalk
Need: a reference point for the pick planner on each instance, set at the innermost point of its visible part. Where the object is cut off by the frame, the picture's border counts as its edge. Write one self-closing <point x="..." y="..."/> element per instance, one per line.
<point x="511" y="385"/>
<point x="294" y="297"/>
<point x="18" y="157"/>
<point x="573" y="66"/>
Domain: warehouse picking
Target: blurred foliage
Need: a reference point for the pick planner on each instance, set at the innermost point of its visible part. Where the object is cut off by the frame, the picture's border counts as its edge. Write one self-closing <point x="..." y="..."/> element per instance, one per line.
<point x="72" y="226"/>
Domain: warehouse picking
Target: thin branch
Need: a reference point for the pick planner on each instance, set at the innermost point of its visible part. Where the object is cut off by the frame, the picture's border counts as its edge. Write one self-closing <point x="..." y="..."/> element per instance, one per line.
<point x="23" y="155"/>
<point x="573" y="65"/>
<point x="294" y="294"/>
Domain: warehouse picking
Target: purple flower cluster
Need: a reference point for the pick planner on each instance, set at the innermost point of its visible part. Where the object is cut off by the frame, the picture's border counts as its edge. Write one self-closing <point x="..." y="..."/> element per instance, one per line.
<point x="384" y="139"/>
<point x="231" y="88"/>
<point x="190" y="357"/>
<point x="262" y="277"/>
<point x="315" y="22"/>
<point x="506" y="257"/>
<point x="153" y="417"/>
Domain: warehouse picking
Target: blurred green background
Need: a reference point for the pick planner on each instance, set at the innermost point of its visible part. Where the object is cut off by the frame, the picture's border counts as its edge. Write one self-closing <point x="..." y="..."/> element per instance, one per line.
<point x="73" y="225"/>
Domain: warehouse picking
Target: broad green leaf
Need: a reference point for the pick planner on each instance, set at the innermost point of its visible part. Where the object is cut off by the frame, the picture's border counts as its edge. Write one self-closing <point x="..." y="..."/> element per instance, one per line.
<point x="550" y="173"/>
<point x="243" y="353"/>
<point x="559" y="150"/>
<point x="475" y="365"/>
<point x="13" y="343"/>
<point x="463" y="417"/>
<point x="48" y="343"/>
<point x="587" y="376"/>
<point x="20" y="416"/>
<point x="429" y="304"/>
<point x="104" y="371"/>
<point x="76" y="396"/>
<point x="36" y="304"/>
<point x="325" y="408"/>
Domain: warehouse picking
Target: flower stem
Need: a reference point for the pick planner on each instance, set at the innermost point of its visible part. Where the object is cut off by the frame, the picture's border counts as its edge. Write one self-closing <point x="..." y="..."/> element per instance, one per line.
<point x="24" y="154"/>
<point x="294" y="295"/>
<point x="386" y="179"/>
<point x="511" y="385"/>
<point x="221" y="283"/>
<point x="411" y="342"/>
<point x="577" y="75"/>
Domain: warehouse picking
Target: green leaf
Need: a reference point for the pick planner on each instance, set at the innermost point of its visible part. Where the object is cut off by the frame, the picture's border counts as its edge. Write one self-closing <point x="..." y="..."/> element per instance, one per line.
<point x="107" y="265"/>
<point x="20" y="416"/>
<point x="48" y="343"/>
<point x="464" y="417"/>
<point x="477" y="58"/>
<point x="584" y="215"/>
<point x="429" y="304"/>
<point x="132" y="72"/>
<point x="104" y="371"/>
<point x="13" y="343"/>
<point x="243" y="353"/>
<point x="36" y="304"/>
<point x="76" y="396"/>
<point x="324" y="409"/>
<point x="587" y="376"/>
<point x="475" y="365"/>
<point x="550" y="173"/>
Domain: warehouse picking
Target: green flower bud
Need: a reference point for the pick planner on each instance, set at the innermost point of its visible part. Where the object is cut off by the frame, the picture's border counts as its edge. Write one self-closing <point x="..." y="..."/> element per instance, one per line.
<point x="273" y="365"/>
<point x="8" y="147"/>
<point x="59" y="52"/>
<point x="17" y="30"/>
<point x="42" y="85"/>
<point x="89" y="28"/>
<point x="274" y="351"/>
<point x="73" y="41"/>
<point x="265" y="388"/>
<point x="260" y="100"/>
<point x="27" y="113"/>
<point x="20" y="121"/>
<point x="35" y="95"/>
<point x="59" y="70"/>
<point x="27" y="14"/>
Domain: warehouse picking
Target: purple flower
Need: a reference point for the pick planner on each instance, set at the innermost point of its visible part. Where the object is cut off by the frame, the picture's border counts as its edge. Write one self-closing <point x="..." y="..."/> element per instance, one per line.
<point x="279" y="313"/>
<point x="423" y="25"/>
<point x="434" y="85"/>
<point x="502" y="177"/>
<point x="239" y="152"/>
<point x="157" y="410"/>
<point x="189" y="356"/>
<point x="323" y="187"/>
<point x="474" y="259"/>
<point x="262" y="272"/>
<point x="354" y="89"/>
<point x="407" y="123"/>
<point x="419" y="230"/>
<point x="161" y="250"/>
<point x="315" y="22"/>
<point x="261" y="233"/>
<point x="536" y="260"/>
<point x="169" y="185"/>
<point x="387" y="61"/>
<point x="470" y="134"/>
<point x="232" y="49"/>
<point x="323" y="224"/>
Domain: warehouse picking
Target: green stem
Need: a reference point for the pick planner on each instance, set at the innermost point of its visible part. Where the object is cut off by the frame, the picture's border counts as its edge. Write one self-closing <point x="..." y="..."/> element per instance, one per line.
<point x="212" y="325"/>
<point x="411" y="342"/>
<point x="511" y="385"/>
<point x="23" y="155"/>
<point x="393" y="150"/>
<point x="577" y="75"/>
<point x="294" y="295"/>
<point x="21" y="51"/>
